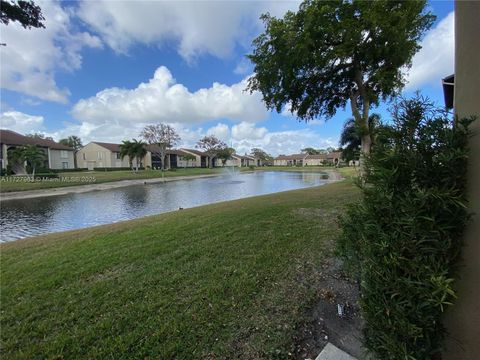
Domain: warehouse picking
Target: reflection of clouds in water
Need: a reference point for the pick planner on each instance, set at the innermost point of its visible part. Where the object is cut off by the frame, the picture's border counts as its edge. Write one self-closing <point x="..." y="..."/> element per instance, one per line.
<point x="23" y="218"/>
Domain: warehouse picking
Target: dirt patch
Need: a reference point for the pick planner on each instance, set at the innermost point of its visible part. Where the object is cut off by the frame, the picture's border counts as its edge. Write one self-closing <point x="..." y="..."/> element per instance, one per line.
<point x="325" y="325"/>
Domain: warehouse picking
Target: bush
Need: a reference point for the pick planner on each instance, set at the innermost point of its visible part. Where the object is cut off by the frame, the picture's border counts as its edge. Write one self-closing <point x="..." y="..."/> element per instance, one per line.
<point x="251" y="167"/>
<point x="404" y="237"/>
<point x="68" y="170"/>
<point x="116" y="168"/>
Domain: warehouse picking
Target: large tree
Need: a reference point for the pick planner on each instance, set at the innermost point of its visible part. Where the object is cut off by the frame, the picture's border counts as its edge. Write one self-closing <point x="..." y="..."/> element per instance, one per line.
<point x="162" y="135"/>
<point x="225" y="154"/>
<point x="262" y="155"/>
<point x="331" y="53"/>
<point x="210" y="145"/>
<point x="351" y="139"/>
<point x="25" y="12"/>
<point x="31" y="155"/>
<point x="135" y="150"/>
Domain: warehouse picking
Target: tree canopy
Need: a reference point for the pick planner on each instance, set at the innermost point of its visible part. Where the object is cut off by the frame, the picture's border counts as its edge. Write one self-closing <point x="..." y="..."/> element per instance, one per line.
<point x="72" y="141"/>
<point x="134" y="150"/>
<point x="331" y="53"/>
<point x="27" y="13"/>
<point x="225" y="154"/>
<point x="32" y="155"/>
<point x="162" y="135"/>
<point x="210" y="145"/>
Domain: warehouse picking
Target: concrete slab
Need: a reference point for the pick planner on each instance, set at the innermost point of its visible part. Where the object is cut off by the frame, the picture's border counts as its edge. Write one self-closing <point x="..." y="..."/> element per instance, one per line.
<point x="331" y="352"/>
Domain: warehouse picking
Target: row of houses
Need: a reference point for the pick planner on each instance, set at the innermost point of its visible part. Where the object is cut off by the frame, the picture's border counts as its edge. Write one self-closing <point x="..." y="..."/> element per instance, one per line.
<point x="302" y="159"/>
<point x="96" y="155"/>
<point x="107" y="155"/>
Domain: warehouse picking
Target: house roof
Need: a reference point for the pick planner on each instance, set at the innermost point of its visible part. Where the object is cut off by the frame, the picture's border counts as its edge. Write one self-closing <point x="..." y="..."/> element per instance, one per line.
<point x="109" y="146"/>
<point x="317" y="156"/>
<point x="10" y="137"/>
<point x="196" y="152"/>
<point x="291" y="157"/>
<point x="334" y="155"/>
<point x="244" y="157"/>
<point x="156" y="149"/>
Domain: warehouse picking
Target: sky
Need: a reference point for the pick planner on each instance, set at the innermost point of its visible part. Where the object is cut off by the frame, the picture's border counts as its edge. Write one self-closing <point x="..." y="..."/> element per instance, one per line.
<point x="102" y="70"/>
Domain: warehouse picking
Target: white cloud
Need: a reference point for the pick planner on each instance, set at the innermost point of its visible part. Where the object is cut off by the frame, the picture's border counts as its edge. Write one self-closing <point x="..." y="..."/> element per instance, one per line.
<point x="436" y="58"/>
<point x="161" y="99"/>
<point x="32" y="57"/>
<point x="203" y="27"/>
<point x="221" y="131"/>
<point x="21" y="122"/>
<point x="243" y="136"/>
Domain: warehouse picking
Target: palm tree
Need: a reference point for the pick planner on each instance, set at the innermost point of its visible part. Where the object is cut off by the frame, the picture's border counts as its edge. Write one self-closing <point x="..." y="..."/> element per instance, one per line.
<point x="351" y="137"/>
<point x="32" y="155"/>
<point x="134" y="150"/>
<point x="75" y="143"/>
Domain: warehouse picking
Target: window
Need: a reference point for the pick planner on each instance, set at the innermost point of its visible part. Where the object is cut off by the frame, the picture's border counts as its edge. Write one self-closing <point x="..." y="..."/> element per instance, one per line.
<point x="99" y="155"/>
<point x="118" y="156"/>
<point x="64" y="154"/>
<point x="64" y="165"/>
<point x="84" y="156"/>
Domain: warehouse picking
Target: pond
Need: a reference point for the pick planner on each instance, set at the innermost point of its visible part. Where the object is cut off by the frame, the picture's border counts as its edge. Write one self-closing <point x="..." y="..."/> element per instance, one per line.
<point x="37" y="216"/>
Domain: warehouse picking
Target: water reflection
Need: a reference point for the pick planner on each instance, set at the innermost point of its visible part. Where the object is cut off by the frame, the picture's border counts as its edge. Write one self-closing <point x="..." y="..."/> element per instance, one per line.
<point x="24" y="218"/>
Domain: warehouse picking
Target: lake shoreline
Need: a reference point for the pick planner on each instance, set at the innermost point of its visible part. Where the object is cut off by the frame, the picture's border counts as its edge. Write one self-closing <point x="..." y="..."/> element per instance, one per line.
<point x="79" y="189"/>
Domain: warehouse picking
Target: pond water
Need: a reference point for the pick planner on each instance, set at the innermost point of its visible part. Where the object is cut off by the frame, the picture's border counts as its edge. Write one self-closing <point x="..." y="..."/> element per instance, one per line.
<point x="29" y="217"/>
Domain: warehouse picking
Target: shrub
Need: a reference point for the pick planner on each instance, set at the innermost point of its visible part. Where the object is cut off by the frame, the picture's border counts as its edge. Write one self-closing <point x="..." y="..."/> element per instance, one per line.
<point x="251" y="167"/>
<point x="116" y="168"/>
<point x="404" y="236"/>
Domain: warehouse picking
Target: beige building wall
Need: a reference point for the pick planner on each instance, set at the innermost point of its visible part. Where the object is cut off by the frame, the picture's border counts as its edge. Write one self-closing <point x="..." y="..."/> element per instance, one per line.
<point x="94" y="156"/>
<point x="61" y="159"/>
<point x="181" y="163"/>
<point x="463" y="319"/>
<point x="279" y="162"/>
<point x="313" y="162"/>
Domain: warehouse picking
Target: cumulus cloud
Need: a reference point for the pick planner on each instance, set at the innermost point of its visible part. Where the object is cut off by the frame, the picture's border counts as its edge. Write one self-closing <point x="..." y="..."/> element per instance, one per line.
<point x="162" y="99"/>
<point x="245" y="136"/>
<point x="221" y="131"/>
<point x="203" y="27"/>
<point x="21" y="122"/>
<point x="436" y="58"/>
<point x="32" y="57"/>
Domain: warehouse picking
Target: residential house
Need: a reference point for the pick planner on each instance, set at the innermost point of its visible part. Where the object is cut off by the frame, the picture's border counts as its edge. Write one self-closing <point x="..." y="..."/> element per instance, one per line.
<point x="333" y="158"/>
<point x="201" y="158"/>
<point x="57" y="156"/>
<point x="290" y="160"/>
<point x="102" y="155"/>
<point x="173" y="158"/>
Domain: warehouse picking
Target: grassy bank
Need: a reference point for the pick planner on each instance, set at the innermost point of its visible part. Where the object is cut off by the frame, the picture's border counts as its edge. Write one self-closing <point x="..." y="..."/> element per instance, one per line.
<point x="8" y="184"/>
<point x="229" y="280"/>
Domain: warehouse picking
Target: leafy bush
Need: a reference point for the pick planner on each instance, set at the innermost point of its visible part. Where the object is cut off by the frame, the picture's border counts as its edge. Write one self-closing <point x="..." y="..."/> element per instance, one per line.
<point x="116" y="168"/>
<point x="404" y="237"/>
<point x="251" y="167"/>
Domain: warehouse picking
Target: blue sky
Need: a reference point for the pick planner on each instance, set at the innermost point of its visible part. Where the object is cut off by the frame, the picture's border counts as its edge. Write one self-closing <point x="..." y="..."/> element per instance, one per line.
<point x="102" y="70"/>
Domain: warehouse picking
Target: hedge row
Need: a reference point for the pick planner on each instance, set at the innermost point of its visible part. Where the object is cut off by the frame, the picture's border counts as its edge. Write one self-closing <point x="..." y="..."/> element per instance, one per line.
<point x="404" y="237"/>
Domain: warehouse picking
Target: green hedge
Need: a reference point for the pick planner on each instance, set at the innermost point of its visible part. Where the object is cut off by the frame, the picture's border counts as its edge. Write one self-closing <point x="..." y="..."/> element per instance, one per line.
<point x="404" y="237"/>
<point x="116" y="168"/>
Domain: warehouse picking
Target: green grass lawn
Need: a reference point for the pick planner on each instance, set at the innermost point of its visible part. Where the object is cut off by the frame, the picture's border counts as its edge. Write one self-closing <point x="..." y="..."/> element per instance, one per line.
<point x="228" y="280"/>
<point x="84" y="178"/>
